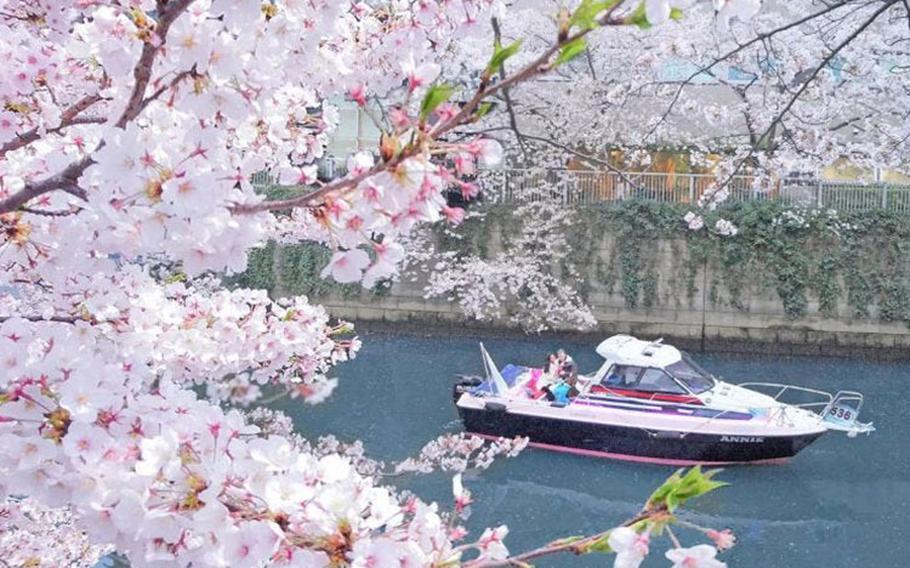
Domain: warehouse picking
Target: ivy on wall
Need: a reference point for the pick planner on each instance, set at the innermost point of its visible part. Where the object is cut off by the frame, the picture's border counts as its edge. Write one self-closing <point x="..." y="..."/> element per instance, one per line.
<point x="295" y="270"/>
<point x="259" y="273"/>
<point x="857" y="259"/>
<point x="853" y="264"/>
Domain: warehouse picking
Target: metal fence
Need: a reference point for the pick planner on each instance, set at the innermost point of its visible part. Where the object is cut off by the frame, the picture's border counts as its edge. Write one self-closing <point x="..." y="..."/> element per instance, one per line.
<point x="583" y="186"/>
<point x="588" y="186"/>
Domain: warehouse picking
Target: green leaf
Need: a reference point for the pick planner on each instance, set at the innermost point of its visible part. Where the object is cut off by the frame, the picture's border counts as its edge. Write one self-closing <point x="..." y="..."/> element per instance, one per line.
<point x="585" y="15"/>
<point x="176" y="277"/>
<point x="483" y="109"/>
<point x="679" y="488"/>
<point x="437" y="95"/>
<point x="570" y="51"/>
<point x="600" y="545"/>
<point x="501" y="54"/>
<point x="673" y="502"/>
<point x="676" y="14"/>
<point x="639" y="17"/>
<point x="566" y="540"/>
<point x="660" y="494"/>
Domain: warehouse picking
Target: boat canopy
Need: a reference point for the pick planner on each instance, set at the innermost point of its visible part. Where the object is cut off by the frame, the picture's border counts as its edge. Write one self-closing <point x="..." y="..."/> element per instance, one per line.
<point x="627" y="350"/>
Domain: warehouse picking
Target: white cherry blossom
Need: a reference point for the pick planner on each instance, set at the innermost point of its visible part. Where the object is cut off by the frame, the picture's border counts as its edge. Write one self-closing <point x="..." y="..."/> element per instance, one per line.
<point x="698" y="556"/>
<point x="630" y="547"/>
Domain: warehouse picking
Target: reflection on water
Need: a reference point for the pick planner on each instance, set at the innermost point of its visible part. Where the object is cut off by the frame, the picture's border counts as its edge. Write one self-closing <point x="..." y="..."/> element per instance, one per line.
<point x="840" y="503"/>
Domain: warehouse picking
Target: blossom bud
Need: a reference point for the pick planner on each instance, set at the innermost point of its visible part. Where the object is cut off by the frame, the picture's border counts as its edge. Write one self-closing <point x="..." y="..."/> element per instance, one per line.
<point x="389" y="147"/>
<point x="723" y="540"/>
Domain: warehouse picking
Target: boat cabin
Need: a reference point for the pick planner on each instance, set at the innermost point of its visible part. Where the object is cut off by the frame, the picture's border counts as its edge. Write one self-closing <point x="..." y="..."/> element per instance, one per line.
<point x="642" y="369"/>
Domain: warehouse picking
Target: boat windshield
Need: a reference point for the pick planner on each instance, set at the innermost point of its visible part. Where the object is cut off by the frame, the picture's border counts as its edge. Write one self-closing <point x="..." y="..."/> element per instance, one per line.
<point x="697" y="379"/>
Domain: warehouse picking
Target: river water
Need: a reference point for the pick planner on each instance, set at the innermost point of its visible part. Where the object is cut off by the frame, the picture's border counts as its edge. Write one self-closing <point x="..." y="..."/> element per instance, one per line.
<point x="841" y="503"/>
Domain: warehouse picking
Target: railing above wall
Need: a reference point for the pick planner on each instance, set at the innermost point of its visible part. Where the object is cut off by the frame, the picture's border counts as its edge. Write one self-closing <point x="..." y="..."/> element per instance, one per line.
<point x="588" y="186"/>
<point x="512" y="185"/>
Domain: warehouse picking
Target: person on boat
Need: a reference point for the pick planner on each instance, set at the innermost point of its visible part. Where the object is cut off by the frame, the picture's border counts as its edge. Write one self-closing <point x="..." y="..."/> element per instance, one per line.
<point x="566" y="363"/>
<point x="549" y="376"/>
<point x="551" y="368"/>
<point x="561" y="392"/>
<point x="543" y="377"/>
<point x="567" y="369"/>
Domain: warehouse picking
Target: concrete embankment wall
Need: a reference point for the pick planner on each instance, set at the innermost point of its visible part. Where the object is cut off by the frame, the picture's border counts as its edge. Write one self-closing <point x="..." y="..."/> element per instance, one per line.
<point x="687" y="304"/>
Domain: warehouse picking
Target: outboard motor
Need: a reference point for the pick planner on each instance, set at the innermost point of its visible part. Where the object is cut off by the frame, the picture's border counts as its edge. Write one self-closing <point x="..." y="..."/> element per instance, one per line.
<point x="463" y="384"/>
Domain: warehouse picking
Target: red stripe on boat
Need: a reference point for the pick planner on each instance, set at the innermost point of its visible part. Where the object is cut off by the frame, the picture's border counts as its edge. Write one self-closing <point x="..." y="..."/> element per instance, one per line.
<point x="681" y="398"/>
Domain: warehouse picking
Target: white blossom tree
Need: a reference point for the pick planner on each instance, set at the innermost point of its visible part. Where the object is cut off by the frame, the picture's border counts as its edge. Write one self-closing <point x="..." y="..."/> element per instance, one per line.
<point x="526" y="283"/>
<point x="795" y="86"/>
<point x="129" y="133"/>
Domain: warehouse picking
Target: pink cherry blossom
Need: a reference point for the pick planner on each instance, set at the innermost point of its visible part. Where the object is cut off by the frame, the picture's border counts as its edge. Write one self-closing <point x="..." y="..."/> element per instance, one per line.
<point x="487" y="151"/>
<point x="419" y="74"/>
<point x="491" y="544"/>
<point x="630" y="547"/>
<point x="358" y="94"/>
<point x="723" y="540"/>
<point x="698" y="556"/>
<point x="694" y="221"/>
<point x="8" y="126"/>
<point x="347" y="266"/>
<point x="454" y="215"/>
<point x="462" y="496"/>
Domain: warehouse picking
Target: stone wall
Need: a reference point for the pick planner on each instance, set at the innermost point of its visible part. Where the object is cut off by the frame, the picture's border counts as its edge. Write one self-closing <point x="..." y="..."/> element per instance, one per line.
<point x="690" y="307"/>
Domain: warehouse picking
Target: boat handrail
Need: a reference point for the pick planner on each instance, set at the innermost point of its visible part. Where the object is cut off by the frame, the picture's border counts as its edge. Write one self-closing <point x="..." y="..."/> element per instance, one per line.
<point x="782" y="388"/>
<point x="839" y="411"/>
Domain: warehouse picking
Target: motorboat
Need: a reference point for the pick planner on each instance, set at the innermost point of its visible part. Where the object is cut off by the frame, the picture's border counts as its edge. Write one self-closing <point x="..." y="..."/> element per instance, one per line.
<point x="651" y="402"/>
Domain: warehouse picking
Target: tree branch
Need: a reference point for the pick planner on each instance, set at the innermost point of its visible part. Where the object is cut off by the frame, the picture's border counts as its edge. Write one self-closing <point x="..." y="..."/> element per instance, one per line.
<point x="68" y="117"/>
<point x="805" y="85"/>
<point x="169" y="85"/>
<point x="167" y="11"/>
<point x="759" y="38"/>
<point x="65" y="180"/>
<point x="539" y="66"/>
<point x="44" y="213"/>
<point x="513" y="122"/>
<point x="586" y="157"/>
<point x="564" y="545"/>
<point x="38" y="319"/>
<point x="142" y="73"/>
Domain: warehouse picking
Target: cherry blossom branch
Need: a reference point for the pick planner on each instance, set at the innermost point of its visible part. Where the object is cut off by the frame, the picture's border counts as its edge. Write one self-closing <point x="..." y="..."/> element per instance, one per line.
<point x="55" y="319"/>
<point x="68" y="117"/>
<point x="778" y="118"/>
<point x="513" y="122"/>
<point x="572" y="545"/>
<point x="587" y="157"/>
<point x="539" y="66"/>
<point x="757" y="39"/>
<point x="67" y="180"/>
<point x="142" y="72"/>
<point x="167" y="86"/>
<point x="32" y="211"/>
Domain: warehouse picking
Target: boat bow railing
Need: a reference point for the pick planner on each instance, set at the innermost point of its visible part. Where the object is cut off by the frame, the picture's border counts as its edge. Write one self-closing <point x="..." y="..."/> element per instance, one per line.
<point x="839" y="411"/>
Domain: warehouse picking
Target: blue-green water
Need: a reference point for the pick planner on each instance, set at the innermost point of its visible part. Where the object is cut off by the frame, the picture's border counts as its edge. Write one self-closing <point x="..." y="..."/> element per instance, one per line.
<point x="841" y="503"/>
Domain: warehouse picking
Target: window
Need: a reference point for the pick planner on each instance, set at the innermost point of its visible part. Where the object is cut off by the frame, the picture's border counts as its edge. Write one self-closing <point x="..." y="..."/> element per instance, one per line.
<point x="655" y="380"/>
<point x="355" y="130"/>
<point x="622" y="376"/>
<point x="697" y="379"/>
